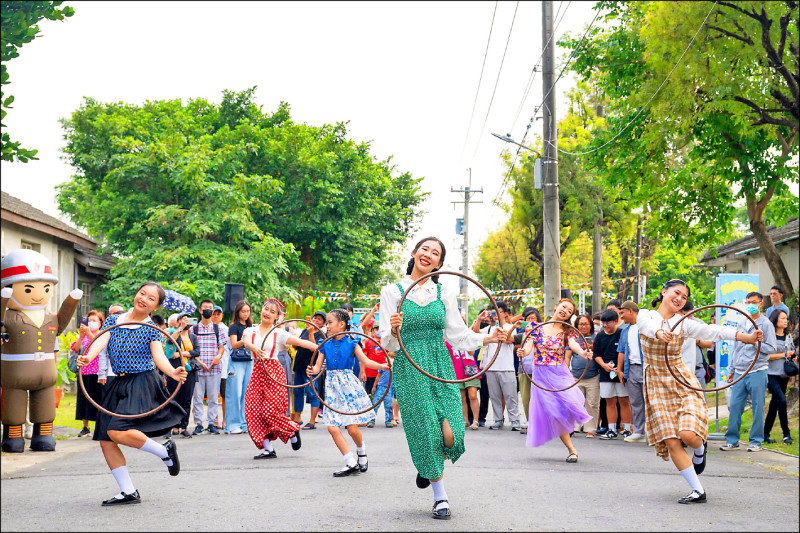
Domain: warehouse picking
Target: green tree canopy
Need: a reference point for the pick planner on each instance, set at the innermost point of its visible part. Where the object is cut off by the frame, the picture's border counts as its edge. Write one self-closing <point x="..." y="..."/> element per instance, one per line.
<point x="19" y="27"/>
<point x="197" y="195"/>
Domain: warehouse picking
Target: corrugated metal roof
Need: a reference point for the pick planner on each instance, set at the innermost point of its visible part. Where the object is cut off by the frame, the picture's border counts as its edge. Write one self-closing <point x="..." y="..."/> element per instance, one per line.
<point x="17" y="206"/>
<point x="788" y="232"/>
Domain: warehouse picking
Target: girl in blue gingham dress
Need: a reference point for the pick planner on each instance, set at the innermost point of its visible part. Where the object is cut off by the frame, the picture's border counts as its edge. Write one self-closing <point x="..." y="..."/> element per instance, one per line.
<point x="344" y="391"/>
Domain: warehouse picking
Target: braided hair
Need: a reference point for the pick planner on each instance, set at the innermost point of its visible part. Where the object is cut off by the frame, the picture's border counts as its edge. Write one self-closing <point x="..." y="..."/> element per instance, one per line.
<point x="342" y="316"/>
<point x="410" y="267"/>
<point x="671" y="283"/>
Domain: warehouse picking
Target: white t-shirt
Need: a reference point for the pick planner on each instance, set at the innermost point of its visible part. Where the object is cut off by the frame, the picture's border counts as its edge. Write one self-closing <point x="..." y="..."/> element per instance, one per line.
<point x="275" y="344"/>
<point x="505" y="359"/>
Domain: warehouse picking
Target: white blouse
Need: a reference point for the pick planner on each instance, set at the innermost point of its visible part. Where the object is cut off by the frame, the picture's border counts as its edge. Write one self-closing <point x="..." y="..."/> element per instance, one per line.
<point x="650" y="321"/>
<point x="253" y="336"/>
<point x="456" y="331"/>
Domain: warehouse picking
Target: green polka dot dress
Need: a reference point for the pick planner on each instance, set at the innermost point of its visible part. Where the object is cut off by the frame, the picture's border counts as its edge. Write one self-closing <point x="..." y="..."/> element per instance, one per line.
<point x="425" y="403"/>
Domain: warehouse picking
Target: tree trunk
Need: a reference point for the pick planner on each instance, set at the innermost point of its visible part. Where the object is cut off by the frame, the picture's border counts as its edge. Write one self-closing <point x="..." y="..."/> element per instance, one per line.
<point x="755" y="211"/>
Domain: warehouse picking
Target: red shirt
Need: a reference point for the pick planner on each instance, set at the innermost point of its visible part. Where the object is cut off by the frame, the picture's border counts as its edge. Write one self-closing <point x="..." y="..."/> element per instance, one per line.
<point x="375" y="353"/>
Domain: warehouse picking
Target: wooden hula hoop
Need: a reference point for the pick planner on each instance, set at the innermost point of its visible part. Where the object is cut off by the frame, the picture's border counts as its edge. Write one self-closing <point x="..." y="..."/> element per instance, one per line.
<point x="680" y="379"/>
<point x="566" y="347"/>
<point x="322" y="401"/>
<point x="264" y="360"/>
<point x="103" y="409"/>
<point x="491" y="299"/>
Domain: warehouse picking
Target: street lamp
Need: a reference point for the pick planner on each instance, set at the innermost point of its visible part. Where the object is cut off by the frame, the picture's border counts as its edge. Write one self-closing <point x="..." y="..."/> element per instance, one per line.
<point x="508" y="139"/>
<point x="537" y="166"/>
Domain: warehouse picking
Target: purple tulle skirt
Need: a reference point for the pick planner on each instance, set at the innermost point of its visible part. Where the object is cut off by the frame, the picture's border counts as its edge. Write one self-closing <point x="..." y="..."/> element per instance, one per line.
<point x="554" y="413"/>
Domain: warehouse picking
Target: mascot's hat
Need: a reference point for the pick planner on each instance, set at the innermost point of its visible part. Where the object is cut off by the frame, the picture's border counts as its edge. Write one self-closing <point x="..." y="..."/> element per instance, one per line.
<point x="25" y="265"/>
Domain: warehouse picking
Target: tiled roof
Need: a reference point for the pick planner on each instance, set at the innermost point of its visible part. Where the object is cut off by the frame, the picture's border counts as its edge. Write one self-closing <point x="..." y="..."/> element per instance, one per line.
<point x="17" y="206"/>
<point x="789" y="230"/>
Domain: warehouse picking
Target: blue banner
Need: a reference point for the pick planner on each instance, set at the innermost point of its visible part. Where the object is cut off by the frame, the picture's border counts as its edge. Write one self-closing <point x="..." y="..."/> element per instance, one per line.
<point x="731" y="289"/>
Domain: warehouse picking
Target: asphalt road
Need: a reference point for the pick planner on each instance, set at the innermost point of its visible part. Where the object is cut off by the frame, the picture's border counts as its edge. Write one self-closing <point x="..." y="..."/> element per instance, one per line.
<point x="499" y="484"/>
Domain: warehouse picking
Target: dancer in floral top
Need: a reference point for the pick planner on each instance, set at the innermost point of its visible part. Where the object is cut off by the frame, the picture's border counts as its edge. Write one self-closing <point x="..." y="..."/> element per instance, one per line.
<point x="554" y="414"/>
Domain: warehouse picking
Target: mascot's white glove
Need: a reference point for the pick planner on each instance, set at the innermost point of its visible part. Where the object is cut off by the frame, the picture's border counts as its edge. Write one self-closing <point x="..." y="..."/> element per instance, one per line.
<point x="6" y="292"/>
<point x="76" y="294"/>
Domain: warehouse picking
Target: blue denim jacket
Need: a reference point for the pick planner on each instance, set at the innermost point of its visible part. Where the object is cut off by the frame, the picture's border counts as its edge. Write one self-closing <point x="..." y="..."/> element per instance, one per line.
<point x="623" y="344"/>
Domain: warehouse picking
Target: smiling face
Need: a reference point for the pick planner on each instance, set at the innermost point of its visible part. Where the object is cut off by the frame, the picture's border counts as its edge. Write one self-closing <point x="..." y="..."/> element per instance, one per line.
<point x="318" y="321"/>
<point x="269" y="313"/>
<point x="609" y="328"/>
<point x="675" y="297"/>
<point x="629" y="316"/>
<point x="32" y="293"/>
<point x="146" y="300"/>
<point x="584" y="325"/>
<point x="427" y="257"/>
<point x="563" y="311"/>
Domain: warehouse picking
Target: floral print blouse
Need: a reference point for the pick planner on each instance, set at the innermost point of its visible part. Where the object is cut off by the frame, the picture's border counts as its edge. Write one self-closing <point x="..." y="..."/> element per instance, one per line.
<point x="547" y="350"/>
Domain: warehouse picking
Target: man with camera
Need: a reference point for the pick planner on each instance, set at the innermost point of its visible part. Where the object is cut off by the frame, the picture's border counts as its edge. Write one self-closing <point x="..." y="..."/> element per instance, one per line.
<point x="500" y="377"/>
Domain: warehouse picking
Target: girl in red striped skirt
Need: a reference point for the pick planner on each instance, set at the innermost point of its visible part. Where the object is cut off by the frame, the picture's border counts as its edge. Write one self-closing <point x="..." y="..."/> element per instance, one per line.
<point x="265" y="401"/>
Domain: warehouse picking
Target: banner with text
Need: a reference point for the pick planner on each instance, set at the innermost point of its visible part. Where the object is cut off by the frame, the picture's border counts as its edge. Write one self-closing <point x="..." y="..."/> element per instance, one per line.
<point x="731" y="289"/>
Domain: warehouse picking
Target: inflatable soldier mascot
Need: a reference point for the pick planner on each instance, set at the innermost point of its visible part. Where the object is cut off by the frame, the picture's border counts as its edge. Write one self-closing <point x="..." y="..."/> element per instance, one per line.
<point x="27" y="362"/>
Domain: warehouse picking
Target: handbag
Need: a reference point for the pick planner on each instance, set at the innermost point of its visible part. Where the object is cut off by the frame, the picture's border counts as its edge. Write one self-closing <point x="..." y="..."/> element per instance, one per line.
<point x="469" y="369"/>
<point x="790" y="367"/>
<point x="240" y="354"/>
<point x="72" y="362"/>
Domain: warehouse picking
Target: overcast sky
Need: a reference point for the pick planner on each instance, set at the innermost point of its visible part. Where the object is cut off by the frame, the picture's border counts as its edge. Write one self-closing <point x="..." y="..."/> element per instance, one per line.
<point x="403" y="74"/>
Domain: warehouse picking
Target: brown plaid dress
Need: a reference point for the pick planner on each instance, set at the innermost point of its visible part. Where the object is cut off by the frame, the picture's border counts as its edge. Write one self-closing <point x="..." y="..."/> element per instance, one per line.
<point x="669" y="406"/>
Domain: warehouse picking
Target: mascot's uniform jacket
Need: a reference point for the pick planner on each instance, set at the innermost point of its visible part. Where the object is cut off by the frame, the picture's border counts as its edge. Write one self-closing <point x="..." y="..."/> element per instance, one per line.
<point x="28" y="363"/>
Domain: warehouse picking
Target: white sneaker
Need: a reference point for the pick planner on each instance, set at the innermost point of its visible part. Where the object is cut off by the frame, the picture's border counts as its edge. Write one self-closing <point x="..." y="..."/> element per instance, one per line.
<point x="754" y="448"/>
<point x="237" y="431"/>
<point x="635" y="437"/>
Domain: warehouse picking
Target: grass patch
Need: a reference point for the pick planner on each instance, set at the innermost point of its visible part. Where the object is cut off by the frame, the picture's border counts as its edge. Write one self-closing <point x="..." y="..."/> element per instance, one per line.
<point x="65" y="412"/>
<point x="747" y="422"/>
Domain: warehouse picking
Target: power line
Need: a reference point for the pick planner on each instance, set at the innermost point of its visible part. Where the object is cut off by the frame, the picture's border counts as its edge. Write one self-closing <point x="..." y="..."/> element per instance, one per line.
<point x="480" y="79"/>
<point x="497" y="81"/>
<point x="620" y="132"/>
<point x="532" y="76"/>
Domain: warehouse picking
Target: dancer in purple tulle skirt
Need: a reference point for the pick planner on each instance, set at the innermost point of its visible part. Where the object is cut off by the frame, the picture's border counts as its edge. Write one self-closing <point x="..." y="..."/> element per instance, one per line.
<point x="554" y="414"/>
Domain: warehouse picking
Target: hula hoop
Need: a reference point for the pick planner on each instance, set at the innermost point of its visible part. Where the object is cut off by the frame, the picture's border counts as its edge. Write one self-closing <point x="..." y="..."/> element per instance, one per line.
<point x="103" y="409"/>
<point x="680" y="379"/>
<point x="264" y="360"/>
<point x="525" y="339"/>
<point x="491" y="299"/>
<point x="322" y="401"/>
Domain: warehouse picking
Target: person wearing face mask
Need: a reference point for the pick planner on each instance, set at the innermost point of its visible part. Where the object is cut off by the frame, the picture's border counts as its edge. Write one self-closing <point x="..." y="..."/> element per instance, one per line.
<point x="84" y="410"/>
<point x="755" y="382"/>
<point x="675" y="414"/>
<point x="211" y="341"/>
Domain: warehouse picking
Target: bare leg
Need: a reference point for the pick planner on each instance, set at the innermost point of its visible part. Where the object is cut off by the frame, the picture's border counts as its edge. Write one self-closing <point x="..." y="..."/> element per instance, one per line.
<point x="356" y="435"/>
<point x="338" y="439"/>
<point x="464" y="406"/>
<point x="611" y="411"/>
<point x="112" y="454"/>
<point x="626" y="413"/>
<point x="679" y="457"/>
<point x="395" y="410"/>
<point x="85" y="422"/>
<point x="132" y="437"/>
<point x="447" y="435"/>
<point x="567" y="440"/>
<point x="691" y="439"/>
<point x="474" y="403"/>
<point x="314" y="412"/>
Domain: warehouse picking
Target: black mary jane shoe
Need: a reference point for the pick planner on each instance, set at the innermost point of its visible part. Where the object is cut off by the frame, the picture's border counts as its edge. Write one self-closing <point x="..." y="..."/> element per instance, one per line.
<point x="268" y="455"/>
<point x="296" y="445"/>
<point x="172" y="454"/>
<point x="126" y="499"/>
<point x="694" y="497"/>
<point x="698" y="468"/>
<point x="348" y="471"/>
<point x="363" y="468"/>
<point x="440" y="514"/>
<point x="422" y="482"/>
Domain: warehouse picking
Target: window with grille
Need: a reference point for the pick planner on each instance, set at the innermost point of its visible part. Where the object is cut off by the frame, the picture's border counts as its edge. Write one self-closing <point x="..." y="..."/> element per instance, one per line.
<point x="25" y="245"/>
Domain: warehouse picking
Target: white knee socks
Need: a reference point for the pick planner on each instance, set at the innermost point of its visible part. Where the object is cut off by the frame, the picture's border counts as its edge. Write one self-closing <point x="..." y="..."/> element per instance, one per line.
<point x="439" y="493"/>
<point x="691" y="478"/>
<point x="697" y="456"/>
<point x="151" y="446"/>
<point x="123" y="480"/>
<point x="362" y="451"/>
<point x="267" y="446"/>
<point x="293" y="439"/>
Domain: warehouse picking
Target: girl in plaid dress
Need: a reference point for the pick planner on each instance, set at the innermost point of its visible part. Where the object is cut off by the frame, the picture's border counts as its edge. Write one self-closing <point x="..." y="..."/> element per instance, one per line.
<point x="674" y="413"/>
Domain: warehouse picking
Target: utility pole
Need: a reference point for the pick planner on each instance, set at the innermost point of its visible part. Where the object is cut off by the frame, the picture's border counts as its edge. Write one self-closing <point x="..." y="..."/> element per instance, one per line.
<point x="597" y="264"/>
<point x="638" y="269"/>
<point x="463" y="300"/>
<point x="551" y="216"/>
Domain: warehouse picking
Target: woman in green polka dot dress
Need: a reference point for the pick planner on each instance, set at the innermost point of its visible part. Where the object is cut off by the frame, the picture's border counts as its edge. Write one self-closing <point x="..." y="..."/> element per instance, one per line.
<point x="431" y="410"/>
